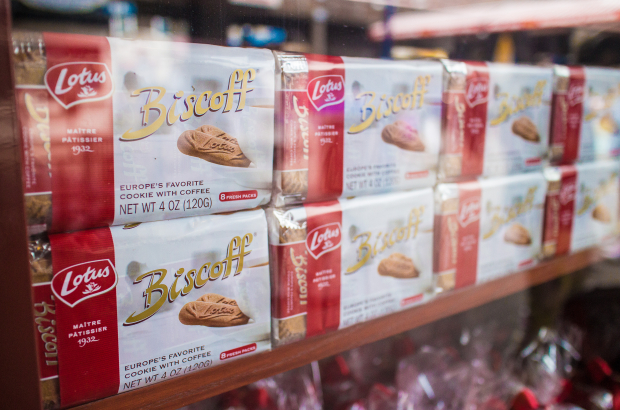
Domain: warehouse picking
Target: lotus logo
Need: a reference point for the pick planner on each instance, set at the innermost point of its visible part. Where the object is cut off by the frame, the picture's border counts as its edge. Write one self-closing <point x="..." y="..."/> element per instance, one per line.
<point x="477" y="91"/>
<point x="77" y="83"/>
<point x="575" y="94"/>
<point x="324" y="239"/>
<point x="469" y="211"/>
<point x="85" y="280"/>
<point x="567" y="192"/>
<point x="325" y="91"/>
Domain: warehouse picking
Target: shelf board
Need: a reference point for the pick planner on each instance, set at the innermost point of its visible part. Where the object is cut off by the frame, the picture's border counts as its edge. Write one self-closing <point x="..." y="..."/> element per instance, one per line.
<point x="200" y="385"/>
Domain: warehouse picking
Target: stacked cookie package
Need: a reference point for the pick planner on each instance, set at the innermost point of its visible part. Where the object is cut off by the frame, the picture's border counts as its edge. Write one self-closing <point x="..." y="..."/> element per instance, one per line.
<point x="357" y="143"/>
<point x="128" y="147"/>
<point x="108" y="140"/>
<point x="490" y="200"/>
<point x="582" y="202"/>
<point x="487" y="228"/>
<point x="338" y="263"/>
<point x="128" y="306"/>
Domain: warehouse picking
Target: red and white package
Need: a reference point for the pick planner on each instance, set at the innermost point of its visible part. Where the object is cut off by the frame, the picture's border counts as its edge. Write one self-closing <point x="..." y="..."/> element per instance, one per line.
<point x="142" y="303"/>
<point x="139" y="131"/>
<point x="354" y="126"/>
<point x="582" y="206"/>
<point x="495" y="119"/>
<point x="586" y="114"/>
<point x="338" y="263"/>
<point x="488" y="228"/>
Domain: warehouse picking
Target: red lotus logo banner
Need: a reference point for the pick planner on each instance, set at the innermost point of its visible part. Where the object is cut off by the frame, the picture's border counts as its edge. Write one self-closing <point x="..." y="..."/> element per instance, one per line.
<point x="324" y="239"/>
<point x="83" y="281"/>
<point x="575" y="94"/>
<point x="325" y="91"/>
<point x="568" y="192"/>
<point x="77" y="83"/>
<point x="477" y="91"/>
<point x="469" y="211"/>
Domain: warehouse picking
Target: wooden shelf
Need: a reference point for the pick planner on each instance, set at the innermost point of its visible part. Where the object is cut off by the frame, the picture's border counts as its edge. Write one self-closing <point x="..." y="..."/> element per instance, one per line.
<point x="194" y="387"/>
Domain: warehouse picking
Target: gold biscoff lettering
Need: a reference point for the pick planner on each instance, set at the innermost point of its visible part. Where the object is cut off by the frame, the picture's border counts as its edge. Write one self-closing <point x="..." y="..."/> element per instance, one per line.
<point x="605" y="187"/>
<point x="300" y="262"/>
<point x="526" y="100"/>
<point x="366" y="251"/>
<point x="193" y="279"/>
<point x="511" y="213"/>
<point x="193" y="106"/>
<point x="372" y="112"/>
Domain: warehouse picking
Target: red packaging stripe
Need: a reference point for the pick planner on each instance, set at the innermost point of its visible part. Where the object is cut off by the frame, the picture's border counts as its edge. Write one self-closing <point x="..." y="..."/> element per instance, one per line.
<point x="88" y="332"/>
<point x="81" y="131"/>
<point x="324" y="225"/>
<point x="326" y="91"/>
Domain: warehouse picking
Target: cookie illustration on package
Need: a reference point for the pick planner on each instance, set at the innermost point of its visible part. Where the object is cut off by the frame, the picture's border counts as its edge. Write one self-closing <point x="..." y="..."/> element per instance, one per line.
<point x="292" y="329"/>
<point x="213" y="145"/>
<point x="215" y="298"/>
<point x="525" y="128"/>
<point x="403" y="135"/>
<point x="608" y="124"/>
<point x="601" y="213"/>
<point x="211" y="314"/>
<point x="398" y="266"/>
<point x="518" y="234"/>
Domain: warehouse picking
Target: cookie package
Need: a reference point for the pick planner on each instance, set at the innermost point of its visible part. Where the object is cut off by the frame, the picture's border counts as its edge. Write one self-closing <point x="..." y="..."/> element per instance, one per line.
<point x="341" y="262"/>
<point x="354" y="126"/>
<point x="586" y="114"/>
<point x="119" y="131"/>
<point x="495" y="119"/>
<point x="121" y="307"/>
<point x="488" y="228"/>
<point x="582" y="206"/>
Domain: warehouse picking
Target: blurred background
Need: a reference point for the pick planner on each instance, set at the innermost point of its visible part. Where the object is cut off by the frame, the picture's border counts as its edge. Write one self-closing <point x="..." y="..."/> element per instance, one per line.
<point x="534" y="31"/>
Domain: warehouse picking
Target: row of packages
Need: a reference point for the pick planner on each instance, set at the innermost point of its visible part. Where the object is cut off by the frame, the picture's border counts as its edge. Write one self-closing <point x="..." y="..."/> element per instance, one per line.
<point x="118" y="131"/>
<point x="122" y="307"/>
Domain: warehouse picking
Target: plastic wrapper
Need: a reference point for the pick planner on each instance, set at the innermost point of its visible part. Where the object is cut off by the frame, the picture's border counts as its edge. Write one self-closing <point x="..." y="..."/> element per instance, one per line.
<point x="40" y="257"/>
<point x="139" y="131"/>
<point x="586" y="114"/>
<point x="339" y="263"/>
<point x="354" y="126"/>
<point x="545" y="365"/>
<point x="487" y="229"/>
<point x="433" y="379"/>
<point x="495" y="119"/>
<point x="142" y="303"/>
<point x="582" y="206"/>
<point x="33" y="113"/>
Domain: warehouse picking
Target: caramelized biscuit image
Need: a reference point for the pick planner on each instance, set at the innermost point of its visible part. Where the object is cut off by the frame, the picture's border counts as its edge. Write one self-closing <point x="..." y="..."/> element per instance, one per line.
<point x="211" y="315"/>
<point x="403" y="135"/>
<point x="517" y="234"/>
<point x="213" y="145"/>
<point x="399" y="266"/>
<point x="446" y="281"/>
<point x="295" y="182"/>
<point x="450" y="166"/>
<point x="525" y="128"/>
<point x="608" y="124"/>
<point x="601" y="213"/>
<point x="290" y="234"/>
<point x="38" y="208"/>
<point x="215" y="298"/>
<point x="292" y="329"/>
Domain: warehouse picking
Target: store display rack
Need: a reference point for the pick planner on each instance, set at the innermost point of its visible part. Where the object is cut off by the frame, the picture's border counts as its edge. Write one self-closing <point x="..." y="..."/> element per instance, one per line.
<point x="20" y="380"/>
<point x="197" y="386"/>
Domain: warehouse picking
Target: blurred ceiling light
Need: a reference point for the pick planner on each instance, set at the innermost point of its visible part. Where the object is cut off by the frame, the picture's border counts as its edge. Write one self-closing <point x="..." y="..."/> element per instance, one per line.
<point x="498" y="17"/>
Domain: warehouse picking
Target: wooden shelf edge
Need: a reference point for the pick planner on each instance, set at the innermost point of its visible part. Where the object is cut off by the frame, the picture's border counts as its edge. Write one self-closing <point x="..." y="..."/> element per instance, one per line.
<point x="197" y="386"/>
